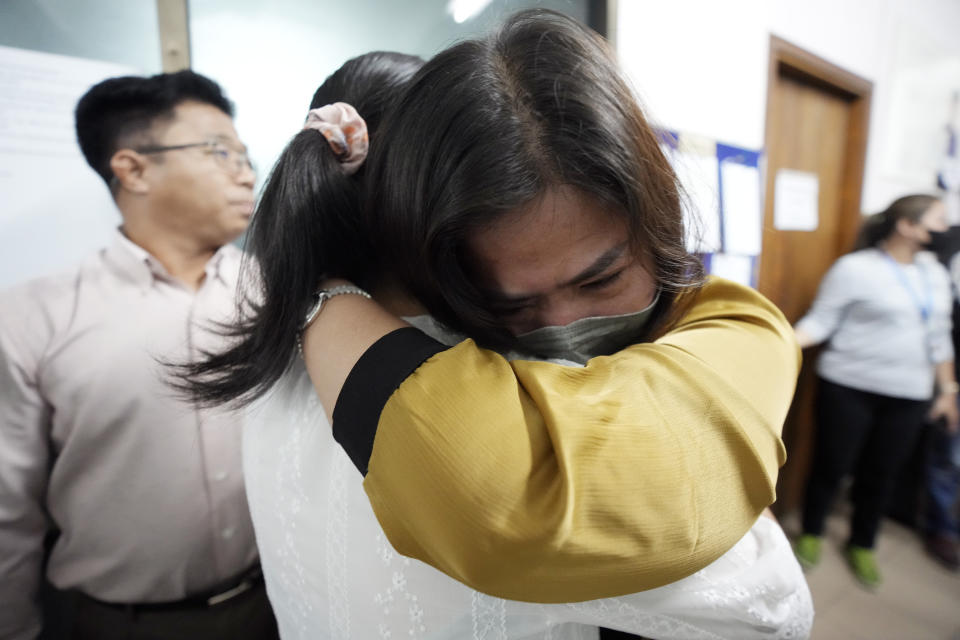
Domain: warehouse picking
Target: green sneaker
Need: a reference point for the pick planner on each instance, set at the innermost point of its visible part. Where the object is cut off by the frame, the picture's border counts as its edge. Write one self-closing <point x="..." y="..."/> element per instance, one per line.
<point x="863" y="563"/>
<point x="807" y="550"/>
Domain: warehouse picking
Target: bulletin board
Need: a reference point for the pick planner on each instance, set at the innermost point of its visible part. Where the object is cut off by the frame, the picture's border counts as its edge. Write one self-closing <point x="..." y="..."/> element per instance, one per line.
<point x="722" y="202"/>
<point x="56" y="210"/>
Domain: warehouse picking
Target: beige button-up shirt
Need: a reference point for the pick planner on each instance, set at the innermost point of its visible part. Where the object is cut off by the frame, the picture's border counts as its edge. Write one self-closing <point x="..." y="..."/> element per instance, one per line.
<point x="146" y="490"/>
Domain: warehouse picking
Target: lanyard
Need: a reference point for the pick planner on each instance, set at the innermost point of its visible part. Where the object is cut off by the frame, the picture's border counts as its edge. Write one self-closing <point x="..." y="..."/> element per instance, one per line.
<point x="925" y="305"/>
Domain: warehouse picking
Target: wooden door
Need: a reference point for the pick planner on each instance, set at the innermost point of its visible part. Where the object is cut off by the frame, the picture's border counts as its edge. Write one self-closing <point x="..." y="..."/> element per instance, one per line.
<point x="817" y="118"/>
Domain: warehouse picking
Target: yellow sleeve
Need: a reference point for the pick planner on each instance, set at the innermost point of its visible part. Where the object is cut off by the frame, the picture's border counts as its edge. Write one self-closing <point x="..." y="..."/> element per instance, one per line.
<point x="540" y="482"/>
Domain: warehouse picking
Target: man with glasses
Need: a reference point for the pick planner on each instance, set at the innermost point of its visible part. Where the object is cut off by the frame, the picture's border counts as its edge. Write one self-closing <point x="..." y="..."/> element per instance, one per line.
<point x="129" y="498"/>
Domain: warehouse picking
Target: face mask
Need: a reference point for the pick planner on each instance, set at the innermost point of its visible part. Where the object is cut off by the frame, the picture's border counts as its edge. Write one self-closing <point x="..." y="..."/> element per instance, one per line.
<point x="940" y="241"/>
<point x="588" y="337"/>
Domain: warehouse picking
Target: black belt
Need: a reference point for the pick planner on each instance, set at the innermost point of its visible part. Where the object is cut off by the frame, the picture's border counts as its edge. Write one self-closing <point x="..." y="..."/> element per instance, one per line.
<point x="221" y="593"/>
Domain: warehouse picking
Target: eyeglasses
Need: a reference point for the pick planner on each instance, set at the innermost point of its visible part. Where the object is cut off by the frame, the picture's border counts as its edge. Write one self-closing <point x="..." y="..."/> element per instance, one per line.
<point x="235" y="162"/>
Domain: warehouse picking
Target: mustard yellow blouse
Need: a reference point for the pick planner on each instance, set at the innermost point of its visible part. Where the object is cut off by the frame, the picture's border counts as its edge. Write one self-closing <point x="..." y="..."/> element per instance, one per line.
<point x="541" y="482"/>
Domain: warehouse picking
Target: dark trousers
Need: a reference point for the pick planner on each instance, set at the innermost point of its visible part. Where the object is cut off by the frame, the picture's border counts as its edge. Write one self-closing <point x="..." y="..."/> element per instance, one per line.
<point x="611" y="634"/>
<point x="869" y="435"/>
<point x="247" y="616"/>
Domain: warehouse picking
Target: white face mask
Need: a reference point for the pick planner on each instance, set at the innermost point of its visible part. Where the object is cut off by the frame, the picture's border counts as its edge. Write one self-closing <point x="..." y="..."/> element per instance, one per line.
<point x="587" y="337"/>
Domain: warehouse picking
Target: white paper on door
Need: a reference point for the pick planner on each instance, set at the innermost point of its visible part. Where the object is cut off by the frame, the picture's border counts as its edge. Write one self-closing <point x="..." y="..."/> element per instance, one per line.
<point x="796" y="201"/>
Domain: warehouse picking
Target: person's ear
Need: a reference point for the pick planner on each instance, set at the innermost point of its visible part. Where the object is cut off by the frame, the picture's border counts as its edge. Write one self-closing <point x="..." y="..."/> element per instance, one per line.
<point x="906" y="228"/>
<point x="129" y="168"/>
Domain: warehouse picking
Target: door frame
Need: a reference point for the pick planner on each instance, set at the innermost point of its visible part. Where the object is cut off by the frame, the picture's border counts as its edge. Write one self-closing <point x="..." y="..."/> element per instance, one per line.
<point x="786" y="59"/>
<point x="857" y="91"/>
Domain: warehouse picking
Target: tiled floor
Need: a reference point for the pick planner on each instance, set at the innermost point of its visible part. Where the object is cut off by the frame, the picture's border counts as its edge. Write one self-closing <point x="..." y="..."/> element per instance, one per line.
<point x="918" y="599"/>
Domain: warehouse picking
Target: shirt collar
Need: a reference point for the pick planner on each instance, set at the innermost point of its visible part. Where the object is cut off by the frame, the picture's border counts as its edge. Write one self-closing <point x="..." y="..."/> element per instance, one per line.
<point x="222" y="264"/>
<point x="144" y="269"/>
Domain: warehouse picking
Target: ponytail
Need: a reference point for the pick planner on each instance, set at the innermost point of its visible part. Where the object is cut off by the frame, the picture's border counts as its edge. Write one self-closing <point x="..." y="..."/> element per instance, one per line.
<point x="873" y="231"/>
<point x="305" y="228"/>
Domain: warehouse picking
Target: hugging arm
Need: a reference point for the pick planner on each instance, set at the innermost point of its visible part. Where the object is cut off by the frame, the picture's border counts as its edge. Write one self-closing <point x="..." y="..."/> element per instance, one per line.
<point x="540" y="482"/>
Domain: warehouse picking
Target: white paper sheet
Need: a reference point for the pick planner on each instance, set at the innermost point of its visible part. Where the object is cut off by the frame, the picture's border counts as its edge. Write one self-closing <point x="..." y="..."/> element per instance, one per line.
<point x="796" y="201"/>
<point x="701" y="208"/>
<point x="736" y="268"/>
<point x="742" y="216"/>
<point x="55" y="208"/>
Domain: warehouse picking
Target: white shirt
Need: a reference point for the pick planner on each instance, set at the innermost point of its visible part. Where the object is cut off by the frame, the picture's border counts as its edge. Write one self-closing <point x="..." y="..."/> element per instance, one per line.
<point x="869" y="309"/>
<point x="331" y="573"/>
<point x="146" y="490"/>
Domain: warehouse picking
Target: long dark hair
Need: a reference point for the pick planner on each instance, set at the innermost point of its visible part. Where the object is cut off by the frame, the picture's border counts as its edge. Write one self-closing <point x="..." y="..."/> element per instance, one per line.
<point x="306" y="226"/>
<point x="880" y="226"/>
<point x="487" y="126"/>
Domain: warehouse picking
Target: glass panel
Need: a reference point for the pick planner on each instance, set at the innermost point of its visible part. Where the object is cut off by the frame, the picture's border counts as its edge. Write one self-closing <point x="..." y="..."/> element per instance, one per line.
<point x="122" y="32"/>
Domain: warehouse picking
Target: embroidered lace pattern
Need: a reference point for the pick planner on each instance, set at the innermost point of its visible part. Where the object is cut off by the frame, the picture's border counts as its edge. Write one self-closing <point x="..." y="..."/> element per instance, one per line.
<point x="489" y="617"/>
<point x="336" y="543"/>
<point x="397" y="593"/>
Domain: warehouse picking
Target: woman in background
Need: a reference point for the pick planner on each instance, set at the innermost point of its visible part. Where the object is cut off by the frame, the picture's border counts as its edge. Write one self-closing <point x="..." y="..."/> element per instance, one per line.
<point x="884" y="312"/>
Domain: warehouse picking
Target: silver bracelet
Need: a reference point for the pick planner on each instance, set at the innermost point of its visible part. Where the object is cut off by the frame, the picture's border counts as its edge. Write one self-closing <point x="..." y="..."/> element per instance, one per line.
<point x="320" y="297"/>
<point x="949" y="387"/>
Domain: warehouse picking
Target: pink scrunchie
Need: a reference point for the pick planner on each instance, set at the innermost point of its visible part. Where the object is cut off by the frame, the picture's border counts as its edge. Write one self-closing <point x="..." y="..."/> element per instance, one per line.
<point x="345" y="131"/>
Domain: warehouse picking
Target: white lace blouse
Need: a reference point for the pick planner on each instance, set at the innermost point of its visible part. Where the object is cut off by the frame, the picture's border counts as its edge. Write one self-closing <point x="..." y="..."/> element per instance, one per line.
<point x="331" y="573"/>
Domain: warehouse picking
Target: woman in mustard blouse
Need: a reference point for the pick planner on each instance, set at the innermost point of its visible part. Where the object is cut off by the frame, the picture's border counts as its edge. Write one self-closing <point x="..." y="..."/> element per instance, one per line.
<point x="518" y="193"/>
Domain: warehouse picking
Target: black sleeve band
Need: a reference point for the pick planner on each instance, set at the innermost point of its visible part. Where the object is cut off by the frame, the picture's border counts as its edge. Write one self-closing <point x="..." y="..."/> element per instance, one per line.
<point x="381" y="369"/>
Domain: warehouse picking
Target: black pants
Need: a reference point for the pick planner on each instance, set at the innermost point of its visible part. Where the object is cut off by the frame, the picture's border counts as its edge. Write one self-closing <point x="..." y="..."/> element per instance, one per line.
<point x="611" y="634"/>
<point x="869" y="435"/>
<point x="247" y="616"/>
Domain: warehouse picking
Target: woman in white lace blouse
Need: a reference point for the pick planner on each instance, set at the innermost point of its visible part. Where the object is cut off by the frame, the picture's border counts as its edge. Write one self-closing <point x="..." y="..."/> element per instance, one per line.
<point x="330" y="564"/>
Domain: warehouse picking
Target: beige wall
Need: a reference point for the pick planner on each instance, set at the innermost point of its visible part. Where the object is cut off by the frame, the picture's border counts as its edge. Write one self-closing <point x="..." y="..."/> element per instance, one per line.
<point x="701" y="67"/>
